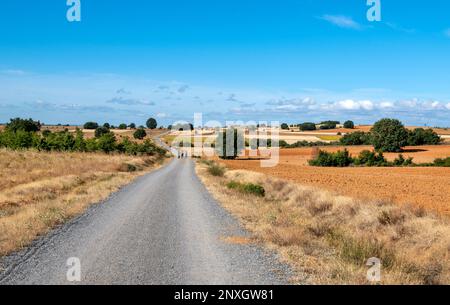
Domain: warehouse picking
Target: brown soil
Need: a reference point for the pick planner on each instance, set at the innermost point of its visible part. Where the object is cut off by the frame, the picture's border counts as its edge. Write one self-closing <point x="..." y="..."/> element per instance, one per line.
<point x="427" y="187"/>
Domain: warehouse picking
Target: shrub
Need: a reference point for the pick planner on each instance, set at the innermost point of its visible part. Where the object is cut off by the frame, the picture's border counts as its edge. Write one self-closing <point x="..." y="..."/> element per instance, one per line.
<point x="139" y="134"/>
<point x="151" y="123"/>
<point x="328" y="125"/>
<point x="420" y="136"/>
<point x="307" y="126"/>
<point x="107" y="142"/>
<point x="442" y="162"/>
<point x="370" y="158"/>
<point x="285" y="126"/>
<point x="248" y="188"/>
<point x="90" y="125"/>
<point x="337" y="159"/>
<point x="356" y="138"/>
<point x="349" y="125"/>
<point x="123" y="126"/>
<point x="101" y="131"/>
<point x="216" y="170"/>
<point x="132" y="126"/>
<point x="230" y="150"/>
<point x="106" y="125"/>
<point x="19" y="124"/>
<point x="389" y="135"/>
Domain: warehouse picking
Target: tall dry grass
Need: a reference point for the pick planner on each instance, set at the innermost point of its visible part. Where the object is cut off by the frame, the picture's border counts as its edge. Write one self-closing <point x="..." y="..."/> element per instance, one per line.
<point x="40" y="190"/>
<point x="328" y="238"/>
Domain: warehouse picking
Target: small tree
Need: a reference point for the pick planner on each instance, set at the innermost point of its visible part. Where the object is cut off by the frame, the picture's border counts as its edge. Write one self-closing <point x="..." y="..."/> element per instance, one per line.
<point x="151" y="123"/>
<point x="285" y="126"/>
<point x="107" y="142"/>
<point x="23" y="125"/>
<point x="101" y="131"/>
<point x="106" y="125"/>
<point x="139" y="134"/>
<point x="123" y="126"/>
<point x="349" y="125"/>
<point x="132" y="126"/>
<point x="307" y="126"/>
<point x="90" y="125"/>
<point x="389" y="135"/>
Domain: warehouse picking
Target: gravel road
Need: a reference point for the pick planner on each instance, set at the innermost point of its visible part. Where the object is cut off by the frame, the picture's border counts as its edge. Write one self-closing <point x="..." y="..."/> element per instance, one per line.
<point x="164" y="228"/>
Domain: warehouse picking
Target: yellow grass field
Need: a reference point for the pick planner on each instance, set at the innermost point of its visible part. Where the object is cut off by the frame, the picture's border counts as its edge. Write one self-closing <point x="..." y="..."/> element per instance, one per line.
<point x="328" y="238"/>
<point x="40" y="190"/>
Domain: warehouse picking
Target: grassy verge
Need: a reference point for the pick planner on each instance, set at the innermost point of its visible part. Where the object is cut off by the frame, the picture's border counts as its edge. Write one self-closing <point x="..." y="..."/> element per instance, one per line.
<point x="41" y="190"/>
<point x="328" y="239"/>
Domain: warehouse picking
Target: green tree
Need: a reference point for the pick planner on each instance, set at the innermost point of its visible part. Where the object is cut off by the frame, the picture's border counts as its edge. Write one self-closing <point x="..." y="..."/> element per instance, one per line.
<point x="139" y="134"/>
<point x="107" y="142"/>
<point x="123" y="126"/>
<point x="90" y="125"/>
<point x="389" y="135"/>
<point x="101" y="131"/>
<point x="349" y="125"/>
<point x="23" y="125"/>
<point x="420" y="136"/>
<point x="285" y="126"/>
<point x="151" y="123"/>
<point x="132" y="126"/>
<point x="307" y="126"/>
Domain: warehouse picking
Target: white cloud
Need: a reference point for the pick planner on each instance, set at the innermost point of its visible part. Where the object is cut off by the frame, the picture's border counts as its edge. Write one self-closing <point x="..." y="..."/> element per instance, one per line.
<point x="342" y="21"/>
<point x="355" y="105"/>
<point x="447" y="106"/>
<point x="386" y="105"/>
<point x="14" y="72"/>
<point x="162" y="115"/>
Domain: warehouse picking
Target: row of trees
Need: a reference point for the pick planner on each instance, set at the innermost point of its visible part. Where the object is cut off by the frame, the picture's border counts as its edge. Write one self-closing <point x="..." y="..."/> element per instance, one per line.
<point x="23" y="134"/>
<point x="309" y="126"/>
<point x="389" y="135"/>
<point x="151" y="124"/>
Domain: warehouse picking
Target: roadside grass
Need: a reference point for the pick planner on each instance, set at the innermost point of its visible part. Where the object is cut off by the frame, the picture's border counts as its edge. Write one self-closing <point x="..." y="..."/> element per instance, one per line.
<point x="39" y="191"/>
<point x="328" y="239"/>
<point x="247" y="188"/>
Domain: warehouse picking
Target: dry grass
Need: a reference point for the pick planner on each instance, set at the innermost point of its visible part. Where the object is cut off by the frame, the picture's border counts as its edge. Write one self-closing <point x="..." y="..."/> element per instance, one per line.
<point x="329" y="238"/>
<point x="40" y="190"/>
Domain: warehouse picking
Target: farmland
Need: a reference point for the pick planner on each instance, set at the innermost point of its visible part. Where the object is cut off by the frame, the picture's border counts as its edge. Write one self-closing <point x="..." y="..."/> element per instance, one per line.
<point x="427" y="187"/>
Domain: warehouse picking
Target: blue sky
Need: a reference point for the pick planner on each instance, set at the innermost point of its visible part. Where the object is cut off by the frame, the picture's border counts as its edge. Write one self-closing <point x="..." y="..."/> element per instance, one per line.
<point x="290" y="61"/>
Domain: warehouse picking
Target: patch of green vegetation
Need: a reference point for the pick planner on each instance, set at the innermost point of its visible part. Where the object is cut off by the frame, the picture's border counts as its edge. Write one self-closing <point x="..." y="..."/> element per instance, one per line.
<point x="248" y="188"/>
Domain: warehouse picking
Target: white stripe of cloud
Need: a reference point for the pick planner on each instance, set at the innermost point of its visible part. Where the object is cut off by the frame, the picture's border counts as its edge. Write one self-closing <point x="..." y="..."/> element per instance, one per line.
<point x="342" y="21"/>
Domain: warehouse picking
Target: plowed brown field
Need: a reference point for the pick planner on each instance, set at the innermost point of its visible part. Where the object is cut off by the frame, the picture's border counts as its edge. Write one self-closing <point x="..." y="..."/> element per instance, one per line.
<point x="427" y="187"/>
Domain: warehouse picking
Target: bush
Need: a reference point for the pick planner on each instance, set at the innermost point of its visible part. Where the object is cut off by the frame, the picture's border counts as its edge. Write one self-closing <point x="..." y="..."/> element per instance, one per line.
<point x="285" y="126"/>
<point x="139" y="134"/>
<point x="123" y="126"/>
<point x="328" y="125"/>
<point x="307" y="126"/>
<point x="106" y="125"/>
<point x="442" y="162"/>
<point x="90" y="125"/>
<point x="370" y="158"/>
<point x="19" y="124"/>
<point x="101" y="131"/>
<point x="230" y="150"/>
<point x="18" y="140"/>
<point x="107" y="142"/>
<point x="337" y="159"/>
<point x="248" y="188"/>
<point x="420" y="136"/>
<point x="349" y="125"/>
<point x="216" y="170"/>
<point x="151" y="123"/>
<point x="356" y="138"/>
<point x="132" y="126"/>
<point x="389" y="135"/>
